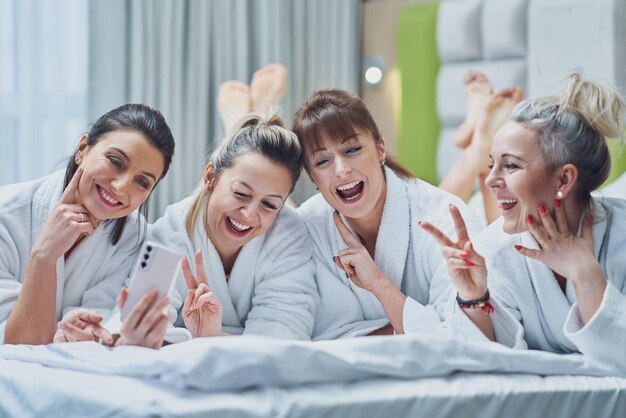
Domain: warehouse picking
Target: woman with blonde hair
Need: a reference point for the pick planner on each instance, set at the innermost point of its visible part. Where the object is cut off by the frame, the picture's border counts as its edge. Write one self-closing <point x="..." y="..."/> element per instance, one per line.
<point x="251" y="253"/>
<point x="554" y="259"/>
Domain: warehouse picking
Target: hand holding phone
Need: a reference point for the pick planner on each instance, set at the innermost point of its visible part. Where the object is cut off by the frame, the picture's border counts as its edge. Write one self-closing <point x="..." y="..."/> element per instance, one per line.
<point x="156" y="269"/>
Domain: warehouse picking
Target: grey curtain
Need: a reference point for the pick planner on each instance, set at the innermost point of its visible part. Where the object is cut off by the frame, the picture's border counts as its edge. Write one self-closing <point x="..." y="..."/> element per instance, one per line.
<point x="173" y="55"/>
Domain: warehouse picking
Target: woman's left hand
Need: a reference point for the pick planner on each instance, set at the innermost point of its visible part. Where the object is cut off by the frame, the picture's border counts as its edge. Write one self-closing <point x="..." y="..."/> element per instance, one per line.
<point x="561" y="250"/>
<point x="202" y="310"/>
<point x="356" y="261"/>
<point x="81" y="325"/>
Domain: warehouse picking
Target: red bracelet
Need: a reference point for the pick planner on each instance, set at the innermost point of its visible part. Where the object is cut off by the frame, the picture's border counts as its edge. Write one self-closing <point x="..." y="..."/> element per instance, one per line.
<point x="483" y="304"/>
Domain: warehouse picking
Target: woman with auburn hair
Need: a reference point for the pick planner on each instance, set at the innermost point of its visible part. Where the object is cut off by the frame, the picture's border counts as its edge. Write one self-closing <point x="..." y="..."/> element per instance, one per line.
<point x="555" y="258"/>
<point x="68" y="240"/>
<point x="373" y="262"/>
<point x="252" y="271"/>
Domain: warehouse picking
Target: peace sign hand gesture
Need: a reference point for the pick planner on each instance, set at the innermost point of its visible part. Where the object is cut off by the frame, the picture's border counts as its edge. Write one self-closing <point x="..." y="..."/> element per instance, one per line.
<point x="202" y="310"/>
<point x="356" y="261"/>
<point x="467" y="267"/>
<point x="66" y="223"/>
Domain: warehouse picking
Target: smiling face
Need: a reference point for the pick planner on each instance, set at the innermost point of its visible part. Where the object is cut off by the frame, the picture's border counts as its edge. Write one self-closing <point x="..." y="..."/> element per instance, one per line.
<point x="348" y="173"/>
<point x="519" y="178"/>
<point x="120" y="171"/>
<point x="244" y="201"/>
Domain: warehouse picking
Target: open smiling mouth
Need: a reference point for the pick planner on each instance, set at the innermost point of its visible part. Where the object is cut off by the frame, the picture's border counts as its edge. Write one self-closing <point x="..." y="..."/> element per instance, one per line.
<point x="237" y="229"/>
<point x="351" y="192"/>
<point x="106" y="198"/>
<point x="506" y="204"/>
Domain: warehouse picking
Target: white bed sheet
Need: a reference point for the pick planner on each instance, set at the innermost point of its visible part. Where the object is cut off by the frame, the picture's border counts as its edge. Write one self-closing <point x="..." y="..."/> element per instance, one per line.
<point x="384" y="376"/>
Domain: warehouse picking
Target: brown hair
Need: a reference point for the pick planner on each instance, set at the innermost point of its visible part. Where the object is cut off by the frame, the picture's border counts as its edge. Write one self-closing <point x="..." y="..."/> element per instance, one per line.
<point x="336" y="114"/>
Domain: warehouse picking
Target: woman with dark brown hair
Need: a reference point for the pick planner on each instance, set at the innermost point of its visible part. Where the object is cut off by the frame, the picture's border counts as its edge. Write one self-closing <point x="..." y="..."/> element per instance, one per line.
<point x="377" y="270"/>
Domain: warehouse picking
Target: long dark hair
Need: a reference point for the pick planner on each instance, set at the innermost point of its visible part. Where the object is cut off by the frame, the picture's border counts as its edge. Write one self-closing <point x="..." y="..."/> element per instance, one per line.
<point x="336" y="114"/>
<point x="135" y="118"/>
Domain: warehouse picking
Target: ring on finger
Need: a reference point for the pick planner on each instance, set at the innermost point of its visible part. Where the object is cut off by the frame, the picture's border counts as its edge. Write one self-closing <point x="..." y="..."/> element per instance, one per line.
<point x="82" y="218"/>
<point x="346" y="251"/>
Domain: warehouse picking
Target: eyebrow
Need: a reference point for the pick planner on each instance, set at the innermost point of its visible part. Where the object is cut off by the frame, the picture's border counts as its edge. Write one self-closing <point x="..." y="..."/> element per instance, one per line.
<point x="243" y="183"/>
<point x="343" y="141"/>
<point x="128" y="159"/>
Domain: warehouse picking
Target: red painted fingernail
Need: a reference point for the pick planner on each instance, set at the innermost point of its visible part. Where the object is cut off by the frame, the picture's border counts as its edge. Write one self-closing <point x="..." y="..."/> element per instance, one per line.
<point x="465" y="254"/>
<point x="542" y="208"/>
<point x="531" y="220"/>
<point x="419" y="223"/>
<point x="518" y="247"/>
<point x="557" y="203"/>
<point x="469" y="263"/>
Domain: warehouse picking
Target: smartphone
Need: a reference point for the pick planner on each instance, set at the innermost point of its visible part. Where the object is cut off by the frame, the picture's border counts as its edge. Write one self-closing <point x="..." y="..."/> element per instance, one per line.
<point x="156" y="268"/>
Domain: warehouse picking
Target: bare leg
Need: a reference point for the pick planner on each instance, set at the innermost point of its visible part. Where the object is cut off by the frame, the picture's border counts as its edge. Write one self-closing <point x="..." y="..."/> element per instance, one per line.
<point x="478" y="90"/>
<point x="268" y="87"/>
<point x="233" y="102"/>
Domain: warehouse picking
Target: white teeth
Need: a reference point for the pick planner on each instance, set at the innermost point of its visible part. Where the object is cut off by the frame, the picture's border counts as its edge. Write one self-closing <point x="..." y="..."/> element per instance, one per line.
<point x="237" y="225"/>
<point x="348" y="186"/>
<point x="108" y="198"/>
<point x="507" y="201"/>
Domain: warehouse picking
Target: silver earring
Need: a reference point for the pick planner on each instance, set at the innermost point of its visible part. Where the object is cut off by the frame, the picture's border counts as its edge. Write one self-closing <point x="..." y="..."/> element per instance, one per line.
<point x="559" y="194"/>
<point x="316" y="188"/>
<point x="382" y="162"/>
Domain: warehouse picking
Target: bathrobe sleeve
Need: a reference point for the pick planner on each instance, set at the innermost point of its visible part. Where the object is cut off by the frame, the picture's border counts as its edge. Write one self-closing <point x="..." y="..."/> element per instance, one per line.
<point x="10" y="287"/>
<point x="285" y="297"/>
<point x="609" y="321"/>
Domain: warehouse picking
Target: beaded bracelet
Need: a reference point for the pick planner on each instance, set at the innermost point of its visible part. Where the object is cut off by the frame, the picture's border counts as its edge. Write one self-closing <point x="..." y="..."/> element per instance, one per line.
<point x="483" y="304"/>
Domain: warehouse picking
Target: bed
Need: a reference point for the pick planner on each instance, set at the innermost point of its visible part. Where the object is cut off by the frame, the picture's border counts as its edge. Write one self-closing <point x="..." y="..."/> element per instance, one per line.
<point x="260" y="377"/>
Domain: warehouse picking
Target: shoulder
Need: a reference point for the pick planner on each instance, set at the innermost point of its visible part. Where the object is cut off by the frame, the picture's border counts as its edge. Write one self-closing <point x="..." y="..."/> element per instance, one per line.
<point x="19" y="195"/>
<point x="287" y="234"/>
<point x="315" y="208"/>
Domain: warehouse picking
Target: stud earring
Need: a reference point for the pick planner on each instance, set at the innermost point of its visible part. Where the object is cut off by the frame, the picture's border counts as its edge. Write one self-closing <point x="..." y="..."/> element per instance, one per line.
<point x="382" y="162"/>
<point x="315" y="186"/>
<point x="559" y="194"/>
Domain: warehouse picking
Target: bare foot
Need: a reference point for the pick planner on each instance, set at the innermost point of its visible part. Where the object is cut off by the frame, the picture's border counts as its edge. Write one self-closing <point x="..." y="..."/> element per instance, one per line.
<point x="233" y="102"/>
<point x="495" y="112"/>
<point x="268" y="87"/>
<point x="478" y="90"/>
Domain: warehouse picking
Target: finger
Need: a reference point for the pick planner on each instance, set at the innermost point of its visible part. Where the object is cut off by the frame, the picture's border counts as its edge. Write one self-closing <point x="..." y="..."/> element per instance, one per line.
<point x="439" y="236"/>
<point x="536" y="254"/>
<point x="188" y="302"/>
<point x="122" y="297"/>
<point x="103" y="334"/>
<point x="201" y="276"/>
<point x="211" y="299"/>
<point x="73" y="333"/>
<point x="559" y="214"/>
<point x="189" y="278"/>
<point x="201" y="290"/>
<point x="547" y="221"/>
<point x="474" y="256"/>
<point x="72" y="186"/>
<point x="89" y="317"/>
<point x="140" y="310"/>
<point x="347" y="235"/>
<point x="537" y="231"/>
<point x="587" y="230"/>
<point x="348" y="262"/>
<point x="459" y="223"/>
<point x="460" y="254"/>
<point x="338" y="262"/>
<point x="152" y="317"/>
<point x="459" y="264"/>
<point x="154" y="338"/>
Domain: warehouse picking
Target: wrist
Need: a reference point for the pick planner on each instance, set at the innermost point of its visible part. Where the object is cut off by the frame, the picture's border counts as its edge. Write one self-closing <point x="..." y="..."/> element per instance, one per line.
<point x="44" y="257"/>
<point x="587" y="274"/>
<point x="474" y="294"/>
<point x="381" y="286"/>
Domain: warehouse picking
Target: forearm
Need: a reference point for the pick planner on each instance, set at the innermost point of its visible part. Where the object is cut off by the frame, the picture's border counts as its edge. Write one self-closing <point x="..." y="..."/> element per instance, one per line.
<point x="482" y="321"/>
<point x="33" y="319"/>
<point x="392" y="300"/>
<point x="589" y="286"/>
<point x="460" y="180"/>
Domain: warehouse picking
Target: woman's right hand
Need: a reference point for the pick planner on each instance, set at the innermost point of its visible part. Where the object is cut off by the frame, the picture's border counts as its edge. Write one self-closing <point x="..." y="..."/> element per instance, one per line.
<point x="467" y="268"/>
<point x="146" y="323"/>
<point x="66" y="223"/>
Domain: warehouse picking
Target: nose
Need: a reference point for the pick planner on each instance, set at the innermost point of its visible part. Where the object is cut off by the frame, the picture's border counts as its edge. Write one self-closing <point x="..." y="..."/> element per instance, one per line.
<point x="121" y="184"/>
<point x="493" y="180"/>
<point x="342" y="166"/>
<point x="250" y="210"/>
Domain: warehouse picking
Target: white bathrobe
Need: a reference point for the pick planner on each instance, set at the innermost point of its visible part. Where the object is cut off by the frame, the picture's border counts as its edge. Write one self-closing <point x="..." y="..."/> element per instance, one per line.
<point x="531" y="309"/>
<point x="92" y="275"/>
<point x="405" y="253"/>
<point x="271" y="290"/>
